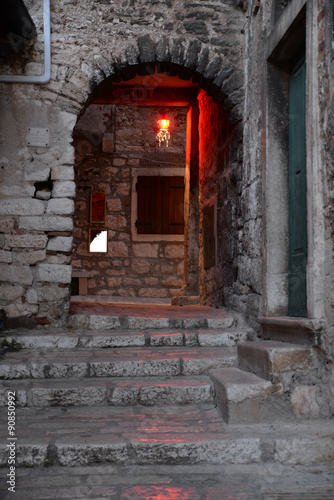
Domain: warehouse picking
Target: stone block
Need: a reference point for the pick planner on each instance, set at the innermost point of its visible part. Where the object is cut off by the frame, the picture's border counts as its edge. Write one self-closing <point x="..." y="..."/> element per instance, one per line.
<point x="62" y="173"/>
<point x="140" y="266"/>
<point x="145" y="250"/>
<point x="7" y="224"/>
<point x="60" y="244"/>
<point x="114" y="205"/>
<point x="11" y="292"/>
<point x="16" y="274"/>
<point x="192" y="54"/>
<point x="123" y="188"/>
<point x="43" y="195"/>
<point x="29" y="258"/>
<point x="52" y="293"/>
<point x="31" y="296"/>
<point x="53" y="273"/>
<point x="6" y="256"/>
<point x="104" y="323"/>
<point x="240" y="395"/>
<point x="304" y="401"/>
<point x="174" y="251"/>
<point x="118" y="249"/>
<point x="166" y="339"/>
<point x="173" y="281"/>
<point x="58" y="206"/>
<point x="114" y="282"/>
<point x="63" y="189"/>
<point x="46" y="223"/>
<point x="268" y="357"/>
<point x="116" y="221"/>
<point x="146" y="49"/>
<point x="21" y="206"/>
<point x="153" y="292"/>
<point x="18" y="310"/>
<point x="37" y="241"/>
<point x="38" y="175"/>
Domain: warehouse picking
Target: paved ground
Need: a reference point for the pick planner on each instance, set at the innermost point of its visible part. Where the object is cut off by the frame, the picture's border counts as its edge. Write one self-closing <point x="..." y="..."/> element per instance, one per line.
<point x="196" y="482"/>
<point x="109" y="307"/>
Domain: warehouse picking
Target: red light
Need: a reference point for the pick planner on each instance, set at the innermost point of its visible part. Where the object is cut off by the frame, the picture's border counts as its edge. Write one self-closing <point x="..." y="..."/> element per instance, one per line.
<point x="164" y="124"/>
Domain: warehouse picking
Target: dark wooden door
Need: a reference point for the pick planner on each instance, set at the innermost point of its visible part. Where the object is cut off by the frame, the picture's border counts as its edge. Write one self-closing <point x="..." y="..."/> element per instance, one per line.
<point x="297" y="189"/>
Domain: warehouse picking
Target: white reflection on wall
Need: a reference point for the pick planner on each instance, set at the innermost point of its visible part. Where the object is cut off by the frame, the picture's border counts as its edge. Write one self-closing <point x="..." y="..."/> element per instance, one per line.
<point x="98" y="242"/>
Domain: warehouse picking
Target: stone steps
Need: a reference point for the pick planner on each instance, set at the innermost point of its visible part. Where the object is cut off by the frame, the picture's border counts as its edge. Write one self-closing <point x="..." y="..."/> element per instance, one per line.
<point x="159" y="435"/>
<point x="261" y="388"/>
<point x="100" y="339"/>
<point x="270" y="481"/>
<point x="134" y="362"/>
<point x="109" y="391"/>
<point x="268" y="359"/>
<point x="145" y="321"/>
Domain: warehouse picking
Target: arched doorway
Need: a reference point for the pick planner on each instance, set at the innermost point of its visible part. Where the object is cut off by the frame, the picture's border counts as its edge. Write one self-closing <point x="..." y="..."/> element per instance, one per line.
<point x="157" y="210"/>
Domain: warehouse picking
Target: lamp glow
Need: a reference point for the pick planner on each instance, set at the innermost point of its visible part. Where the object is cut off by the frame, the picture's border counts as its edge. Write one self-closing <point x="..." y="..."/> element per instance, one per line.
<point x="163" y="135"/>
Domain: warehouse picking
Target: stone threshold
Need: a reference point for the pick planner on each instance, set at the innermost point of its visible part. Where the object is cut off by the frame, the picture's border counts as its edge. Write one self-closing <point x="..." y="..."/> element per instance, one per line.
<point x="290" y="329"/>
<point x="111" y="299"/>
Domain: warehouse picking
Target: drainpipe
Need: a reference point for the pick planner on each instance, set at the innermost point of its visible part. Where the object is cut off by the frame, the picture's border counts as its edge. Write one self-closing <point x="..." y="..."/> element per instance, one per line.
<point x="46" y="77"/>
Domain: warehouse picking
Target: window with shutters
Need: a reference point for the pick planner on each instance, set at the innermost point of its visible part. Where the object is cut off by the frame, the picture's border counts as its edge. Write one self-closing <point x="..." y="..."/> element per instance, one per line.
<point x="160" y="205"/>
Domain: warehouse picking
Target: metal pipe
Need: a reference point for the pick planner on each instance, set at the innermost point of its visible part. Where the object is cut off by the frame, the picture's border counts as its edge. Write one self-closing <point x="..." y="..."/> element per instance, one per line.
<point x="46" y="77"/>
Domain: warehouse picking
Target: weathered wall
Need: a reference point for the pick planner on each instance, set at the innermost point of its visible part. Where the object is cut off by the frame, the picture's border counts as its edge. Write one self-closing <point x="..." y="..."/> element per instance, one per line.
<point x="219" y="169"/>
<point x="135" y="265"/>
<point x="262" y="173"/>
<point x="91" y="41"/>
<point x="325" y="57"/>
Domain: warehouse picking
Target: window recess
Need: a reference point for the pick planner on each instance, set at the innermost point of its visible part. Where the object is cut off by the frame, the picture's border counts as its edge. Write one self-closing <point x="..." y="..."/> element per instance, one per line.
<point x="160" y="205"/>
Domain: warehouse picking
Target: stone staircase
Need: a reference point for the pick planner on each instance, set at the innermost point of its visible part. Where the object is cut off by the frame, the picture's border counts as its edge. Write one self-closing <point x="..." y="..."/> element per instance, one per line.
<point x="150" y="390"/>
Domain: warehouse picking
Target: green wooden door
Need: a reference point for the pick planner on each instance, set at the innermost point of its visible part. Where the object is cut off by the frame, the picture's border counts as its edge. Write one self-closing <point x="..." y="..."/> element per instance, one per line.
<point x="297" y="190"/>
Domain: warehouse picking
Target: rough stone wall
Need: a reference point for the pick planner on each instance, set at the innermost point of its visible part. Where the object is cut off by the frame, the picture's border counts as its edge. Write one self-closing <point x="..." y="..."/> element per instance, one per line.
<point x="134" y="265"/>
<point x="244" y="210"/>
<point x="317" y="389"/>
<point x="91" y="41"/>
<point x="325" y="56"/>
<point x="219" y="170"/>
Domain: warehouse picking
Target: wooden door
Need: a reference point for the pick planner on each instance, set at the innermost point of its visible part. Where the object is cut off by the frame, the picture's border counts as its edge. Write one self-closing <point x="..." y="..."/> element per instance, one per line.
<point x="297" y="189"/>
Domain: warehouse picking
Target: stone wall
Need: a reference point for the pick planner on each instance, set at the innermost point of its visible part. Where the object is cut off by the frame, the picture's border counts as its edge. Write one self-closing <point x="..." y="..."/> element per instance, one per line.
<point x="135" y="265"/>
<point x="91" y="42"/>
<point x="220" y="161"/>
<point x="262" y="266"/>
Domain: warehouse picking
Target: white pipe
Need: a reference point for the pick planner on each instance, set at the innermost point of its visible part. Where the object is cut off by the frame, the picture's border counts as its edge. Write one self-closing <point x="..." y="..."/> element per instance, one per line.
<point x="46" y="77"/>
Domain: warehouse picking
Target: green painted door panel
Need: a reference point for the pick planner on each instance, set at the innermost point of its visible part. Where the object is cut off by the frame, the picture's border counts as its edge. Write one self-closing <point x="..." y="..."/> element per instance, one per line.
<point x="297" y="190"/>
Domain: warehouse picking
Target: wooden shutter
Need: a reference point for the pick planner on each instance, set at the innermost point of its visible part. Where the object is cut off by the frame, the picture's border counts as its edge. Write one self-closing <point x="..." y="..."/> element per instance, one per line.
<point x="160" y="208"/>
<point x="173" y="205"/>
<point x="149" y="200"/>
<point x="297" y="190"/>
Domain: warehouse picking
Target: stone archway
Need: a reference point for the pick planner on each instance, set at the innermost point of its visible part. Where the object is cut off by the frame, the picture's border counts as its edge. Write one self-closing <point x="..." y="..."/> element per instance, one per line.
<point x="151" y="64"/>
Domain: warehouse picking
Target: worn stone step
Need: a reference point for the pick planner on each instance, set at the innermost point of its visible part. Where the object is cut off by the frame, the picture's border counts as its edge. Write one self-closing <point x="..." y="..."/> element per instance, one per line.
<point x="158" y="435"/>
<point x="187" y="321"/>
<point x="77" y="363"/>
<point x="268" y="359"/>
<point x="270" y="481"/>
<point x="109" y="391"/>
<point x="127" y="338"/>
<point x="245" y="398"/>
